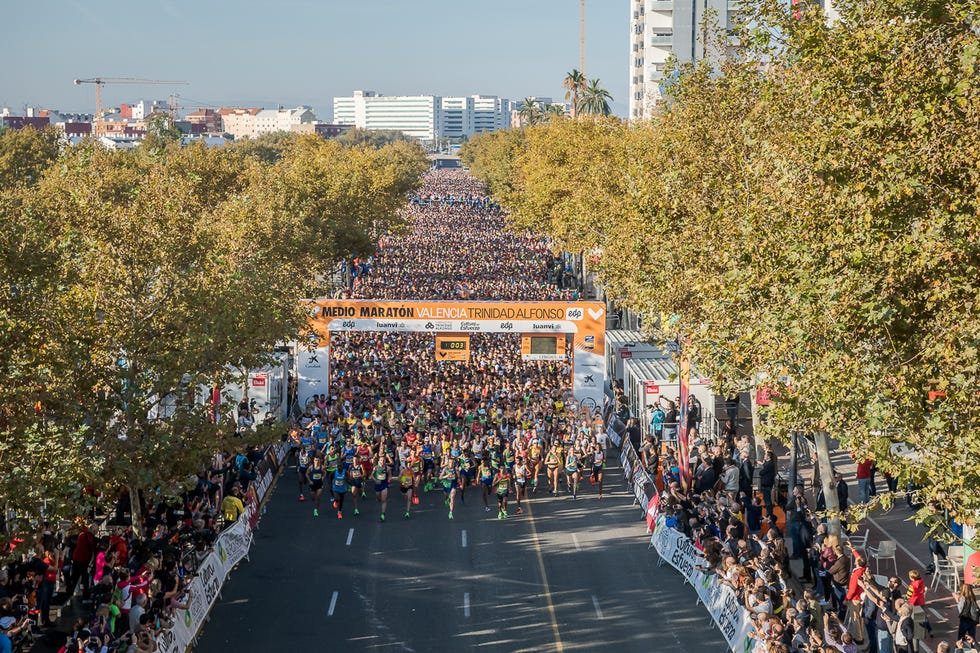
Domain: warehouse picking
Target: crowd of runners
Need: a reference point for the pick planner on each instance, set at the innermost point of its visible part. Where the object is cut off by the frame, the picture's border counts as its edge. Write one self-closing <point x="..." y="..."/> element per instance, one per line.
<point x="458" y="248"/>
<point x="495" y="428"/>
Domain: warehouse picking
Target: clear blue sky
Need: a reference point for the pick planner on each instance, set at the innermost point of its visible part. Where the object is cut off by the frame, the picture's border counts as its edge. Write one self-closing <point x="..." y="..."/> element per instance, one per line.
<point x="263" y="53"/>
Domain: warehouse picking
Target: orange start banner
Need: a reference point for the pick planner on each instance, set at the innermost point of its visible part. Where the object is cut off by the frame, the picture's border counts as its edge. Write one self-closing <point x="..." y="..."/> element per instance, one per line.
<point x="584" y="321"/>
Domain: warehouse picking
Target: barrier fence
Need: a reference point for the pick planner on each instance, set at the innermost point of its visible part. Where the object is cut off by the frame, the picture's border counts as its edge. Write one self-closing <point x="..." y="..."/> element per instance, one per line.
<point x="676" y="549"/>
<point x="231" y="547"/>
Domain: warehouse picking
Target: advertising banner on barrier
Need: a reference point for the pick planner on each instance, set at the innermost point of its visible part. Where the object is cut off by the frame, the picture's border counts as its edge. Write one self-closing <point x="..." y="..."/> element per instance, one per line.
<point x="653" y="510"/>
<point x="262" y="484"/>
<point x="233" y="545"/>
<point x="731" y="618"/>
<point x="169" y="642"/>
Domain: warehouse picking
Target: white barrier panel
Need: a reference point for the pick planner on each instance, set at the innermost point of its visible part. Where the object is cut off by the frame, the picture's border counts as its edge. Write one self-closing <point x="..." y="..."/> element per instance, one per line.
<point x="720" y="600"/>
<point x="262" y="484"/>
<point x="233" y="545"/>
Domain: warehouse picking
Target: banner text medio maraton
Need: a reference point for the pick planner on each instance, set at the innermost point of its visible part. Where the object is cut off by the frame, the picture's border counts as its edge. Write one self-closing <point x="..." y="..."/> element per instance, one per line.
<point x="445" y="312"/>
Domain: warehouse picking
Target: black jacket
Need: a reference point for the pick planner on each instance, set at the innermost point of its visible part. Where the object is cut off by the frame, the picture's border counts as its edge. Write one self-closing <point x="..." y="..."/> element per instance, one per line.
<point x="767" y="475"/>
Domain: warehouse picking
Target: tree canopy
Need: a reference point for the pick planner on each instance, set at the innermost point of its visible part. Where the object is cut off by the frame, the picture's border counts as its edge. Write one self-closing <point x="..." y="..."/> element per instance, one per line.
<point x="806" y="204"/>
<point x="133" y="279"/>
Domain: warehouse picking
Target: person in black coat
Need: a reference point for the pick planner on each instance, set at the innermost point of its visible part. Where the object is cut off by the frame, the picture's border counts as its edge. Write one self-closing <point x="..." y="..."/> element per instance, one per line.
<point x="767" y="479"/>
<point x="745" y="472"/>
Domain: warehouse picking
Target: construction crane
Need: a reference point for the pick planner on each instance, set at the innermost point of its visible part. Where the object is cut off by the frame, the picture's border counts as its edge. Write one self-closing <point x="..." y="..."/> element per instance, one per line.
<point x="102" y="81"/>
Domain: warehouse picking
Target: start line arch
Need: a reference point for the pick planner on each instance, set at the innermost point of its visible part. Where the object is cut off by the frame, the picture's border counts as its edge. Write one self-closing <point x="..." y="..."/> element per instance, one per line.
<point x="585" y="321"/>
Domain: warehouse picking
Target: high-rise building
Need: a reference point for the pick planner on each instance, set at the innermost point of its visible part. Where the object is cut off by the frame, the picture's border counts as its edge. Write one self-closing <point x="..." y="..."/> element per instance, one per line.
<point x="659" y="28"/>
<point x="426" y="117"/>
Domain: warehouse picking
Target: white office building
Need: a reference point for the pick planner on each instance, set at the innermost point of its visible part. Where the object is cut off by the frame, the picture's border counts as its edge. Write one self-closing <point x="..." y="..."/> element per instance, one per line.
<point x="490" y="113"/>
<point x="425" y="117"/>
<point x="659" y="28"/>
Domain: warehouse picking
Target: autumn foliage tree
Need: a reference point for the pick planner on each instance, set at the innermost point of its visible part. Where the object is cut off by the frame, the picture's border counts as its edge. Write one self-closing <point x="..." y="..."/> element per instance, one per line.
<point x="806" y="203"/>
<point x="133" y="279"/>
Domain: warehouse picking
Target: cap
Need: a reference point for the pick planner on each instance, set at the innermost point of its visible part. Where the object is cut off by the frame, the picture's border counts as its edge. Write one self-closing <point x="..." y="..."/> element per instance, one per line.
<point x="7" y="622"/>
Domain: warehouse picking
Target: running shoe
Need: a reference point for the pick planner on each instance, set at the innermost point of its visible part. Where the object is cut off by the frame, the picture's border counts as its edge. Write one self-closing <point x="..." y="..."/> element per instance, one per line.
<point x="340" y="515"/>
<point x="302" y="497"/>
<point x="520" y="511"/>
<point x="600" y="495"/>
<point x="574" y="496"/>
<point x="356" y="512"/>
<point x="382" y="516"/>
<point x="316" y="513"/>
<point x="450" y="515"/>
<point x="415" y="501"/>
<point x="447" y="502"/>
<point x="486" y="508"/>
<point x="500" y="514"/>
<point x="504" y="513"/>
<point x="334" y="505"/>
<point x="406" y="515"/>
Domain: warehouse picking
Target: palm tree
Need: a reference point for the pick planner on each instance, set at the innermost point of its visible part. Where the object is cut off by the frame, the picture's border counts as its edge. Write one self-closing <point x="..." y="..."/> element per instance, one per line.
<point x="554" y="112"/>
<point x="595" y="99"/>
<point x="530" y="112"/>
<point x="574" y="84"/>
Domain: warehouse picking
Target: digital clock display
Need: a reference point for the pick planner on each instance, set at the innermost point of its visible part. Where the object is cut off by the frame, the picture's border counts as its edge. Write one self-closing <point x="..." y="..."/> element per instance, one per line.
<point x="454" y="345"/>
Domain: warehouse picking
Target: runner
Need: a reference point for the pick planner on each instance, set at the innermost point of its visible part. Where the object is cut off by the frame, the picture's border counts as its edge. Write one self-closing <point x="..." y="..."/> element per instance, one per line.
<point x="554" y="461"/>
<point x="302" y="464"/>
<point x="355" y="478"/>
<point x="502" y="484"/>
<point x="520" y="481"/>
<point x="447" y="477"/>
<point x="598" y="465"/>
<point x="339" y="490"/>
<point x="406" y="482"/>
<point x="572" y="463"/>
<point x="381" y="476"/>
<point x="315" y="475"/>
<point x="486" y="481"/>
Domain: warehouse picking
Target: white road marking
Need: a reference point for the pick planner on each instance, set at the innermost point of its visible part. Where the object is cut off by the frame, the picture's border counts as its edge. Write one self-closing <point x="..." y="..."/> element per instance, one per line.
<point x="350" y="536"/>
<point x="937" y="615"/>
<point x="595" y="604"/>
<point x="464" y="538"/>
<point x="333" y="604"/>
<point x="466" y="604"/>
<point x="575" y="542"/>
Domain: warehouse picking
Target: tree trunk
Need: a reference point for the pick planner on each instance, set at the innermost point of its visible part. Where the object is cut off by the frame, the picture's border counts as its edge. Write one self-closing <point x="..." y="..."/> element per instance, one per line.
<point x="827" y="482"/>
<point x="136" y="511"/>
<point x="760" y="445"/>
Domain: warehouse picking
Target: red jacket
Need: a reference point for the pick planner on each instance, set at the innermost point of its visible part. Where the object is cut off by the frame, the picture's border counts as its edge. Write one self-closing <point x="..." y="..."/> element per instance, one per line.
<point x="84" y="547"/>
<point x="854" y="591"/>
<point x="864" y="468"/>
<point x="917" y="592"/>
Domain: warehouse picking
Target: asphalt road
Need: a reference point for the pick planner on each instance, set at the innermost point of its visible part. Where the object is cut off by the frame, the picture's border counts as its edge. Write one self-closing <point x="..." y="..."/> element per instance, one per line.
<point x="568" y="575"/>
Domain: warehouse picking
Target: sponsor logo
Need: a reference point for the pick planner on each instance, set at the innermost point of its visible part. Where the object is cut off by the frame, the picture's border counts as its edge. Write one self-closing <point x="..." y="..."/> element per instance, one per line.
<point x="389" y="325"/>
<point x="589" y="379"/>
<point x="348" y="324"/>
<point x="469" y="326"/>
<point x="439" y="326"/>
<point x="507" y="326"/>
<point x="314" y="359"/>
<point x="574" y="314"/>
<point x="429" y="326"/>
<point x="545" y="327"/>
<point x="589" y="342"/>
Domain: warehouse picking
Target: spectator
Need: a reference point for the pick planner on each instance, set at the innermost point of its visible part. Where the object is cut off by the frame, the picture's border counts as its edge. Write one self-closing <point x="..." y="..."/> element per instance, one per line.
<point x="968" y="611"/>
<point x="232" y="506"/>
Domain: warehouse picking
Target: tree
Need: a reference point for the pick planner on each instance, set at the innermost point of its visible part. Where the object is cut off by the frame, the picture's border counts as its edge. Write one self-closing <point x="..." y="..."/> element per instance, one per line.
<point x="372" y="137"/>
<point x="595" y="99"/>
<point x="812" y="221"/>
<point x="267" y="148"/>
<point x="26" y="153"/>
<point x="554" y="112"/>
<point x="161" y="133"/>
<point x="575" y="85"/>
<point x="530" y="112"/>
